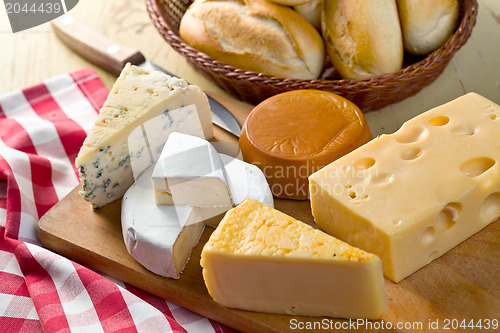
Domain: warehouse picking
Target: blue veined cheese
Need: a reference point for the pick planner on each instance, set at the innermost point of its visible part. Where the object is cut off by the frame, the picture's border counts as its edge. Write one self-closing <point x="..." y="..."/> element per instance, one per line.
<point x="141" y="110"/>
<point x="161" y="237"/>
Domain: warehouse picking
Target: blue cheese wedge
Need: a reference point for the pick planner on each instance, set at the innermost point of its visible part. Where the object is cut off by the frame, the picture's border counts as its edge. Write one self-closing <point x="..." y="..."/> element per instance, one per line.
<point x="190" y="172"/>
<point x="142" y="109"/>
<point x="161" y="237"/>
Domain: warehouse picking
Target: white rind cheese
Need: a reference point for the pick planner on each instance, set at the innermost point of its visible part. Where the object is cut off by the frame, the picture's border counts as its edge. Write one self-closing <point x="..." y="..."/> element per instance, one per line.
<point x="260" y="259"/>
<point x="141" y="110"/>
<point x="411" y="196"/>
<point x="190" y="172"/>
<point x="245" y="181"/>
<point x="162" y="237"/>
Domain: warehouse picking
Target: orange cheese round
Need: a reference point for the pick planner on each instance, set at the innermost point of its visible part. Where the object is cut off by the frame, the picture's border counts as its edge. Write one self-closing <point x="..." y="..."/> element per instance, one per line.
<point x="293" y="134"/>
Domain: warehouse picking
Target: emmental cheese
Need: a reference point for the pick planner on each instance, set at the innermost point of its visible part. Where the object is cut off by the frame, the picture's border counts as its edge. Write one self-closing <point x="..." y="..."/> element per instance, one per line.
<point x="411" y="196"/>
<point x="141" y="110"/>
<point x="260" y="259"/>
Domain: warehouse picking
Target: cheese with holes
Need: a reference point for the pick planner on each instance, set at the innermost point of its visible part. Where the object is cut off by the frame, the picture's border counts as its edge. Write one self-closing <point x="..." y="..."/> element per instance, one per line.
<point x="141" y="110"/>
<point x="161" y="237"/>
<point x="260" y="259"/>
<point x="411" y="196"/>
<point x="190" y="172"/>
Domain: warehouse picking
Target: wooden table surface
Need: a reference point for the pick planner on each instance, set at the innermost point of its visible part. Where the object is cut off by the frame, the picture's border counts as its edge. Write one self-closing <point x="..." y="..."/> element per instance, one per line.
<point x="34" y="55"/>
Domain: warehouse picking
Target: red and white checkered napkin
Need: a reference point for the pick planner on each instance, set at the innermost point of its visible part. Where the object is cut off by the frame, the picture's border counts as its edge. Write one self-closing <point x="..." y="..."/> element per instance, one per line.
<point x="41" y="131"/>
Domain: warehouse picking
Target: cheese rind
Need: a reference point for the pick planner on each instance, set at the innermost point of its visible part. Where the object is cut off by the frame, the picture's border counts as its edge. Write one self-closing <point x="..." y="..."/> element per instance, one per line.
<point x="245" y="181"/>
<point x="189" y="171"/>
<point x="141" y="110"/>
<point x="411" y="196"/>
<point x="148" y="227"/>
<point x="260" y="259"/>
<point x="293" y="134"/>
<point x="160" y="237"/>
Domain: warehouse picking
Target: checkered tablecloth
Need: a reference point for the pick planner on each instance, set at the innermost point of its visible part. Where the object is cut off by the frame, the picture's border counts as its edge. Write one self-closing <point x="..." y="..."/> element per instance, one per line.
<point x="41" y="131"/>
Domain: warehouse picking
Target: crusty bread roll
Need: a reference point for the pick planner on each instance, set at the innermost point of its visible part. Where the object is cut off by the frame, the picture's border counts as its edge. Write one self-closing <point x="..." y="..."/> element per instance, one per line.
<point x="290" y="2"/>
<point x="311" y="11"/>
<point x="427" y="24"/>
<point x="255" y="35"/>
<point x="363" y="38"/>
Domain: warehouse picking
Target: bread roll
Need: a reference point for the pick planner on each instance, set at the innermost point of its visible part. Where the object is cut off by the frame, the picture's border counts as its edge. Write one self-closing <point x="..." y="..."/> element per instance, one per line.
<point x="363" y="38"/>
<point x="255" y="35"/>
<point x="311" y="11"/>
<point x="290" y="2"/>
<point x="427" y="24"/>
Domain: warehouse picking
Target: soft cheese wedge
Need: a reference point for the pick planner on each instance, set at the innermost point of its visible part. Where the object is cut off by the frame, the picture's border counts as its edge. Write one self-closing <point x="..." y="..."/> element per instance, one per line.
<point x="141" y="110"/>
<point x="260" y="259"/>
<point x="161" y="237"/>
<point x="190" y="172"/>
<point x="245" y="181"/>
<point x="411" y="196"/>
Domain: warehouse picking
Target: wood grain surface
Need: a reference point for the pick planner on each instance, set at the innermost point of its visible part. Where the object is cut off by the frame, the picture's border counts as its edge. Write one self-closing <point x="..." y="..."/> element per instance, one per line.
<point x="34" y="55"/>
<point x="460" y="285"/>
<point x="463" y="284"/>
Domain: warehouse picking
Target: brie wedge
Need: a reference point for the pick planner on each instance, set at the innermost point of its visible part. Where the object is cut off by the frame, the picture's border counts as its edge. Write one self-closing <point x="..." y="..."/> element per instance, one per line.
<point x="160" y="237"/>
<point x="190" y="172"/>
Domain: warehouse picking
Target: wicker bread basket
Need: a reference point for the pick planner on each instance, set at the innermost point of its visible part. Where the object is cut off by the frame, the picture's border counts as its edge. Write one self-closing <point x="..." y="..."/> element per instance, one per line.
<point x="369" y="94"/>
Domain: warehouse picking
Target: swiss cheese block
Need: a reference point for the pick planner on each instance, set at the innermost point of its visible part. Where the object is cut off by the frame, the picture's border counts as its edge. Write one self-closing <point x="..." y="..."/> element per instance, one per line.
<point x="141" y="110"/>
<point x="190" y="172"/>
<point x="293" y="134"/>
<point x="260" y="259"/>
<point x="160" y="237"/>
<point x="411" y="196"/>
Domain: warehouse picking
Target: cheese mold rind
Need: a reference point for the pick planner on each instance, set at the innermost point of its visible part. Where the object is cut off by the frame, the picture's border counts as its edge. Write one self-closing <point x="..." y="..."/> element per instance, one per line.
<point x="161" y="237"/>
<point x="411" y="196"/>
<point x="189" y="171"/>
<point x="260" y="259"/>
<point x="141" y="110"/>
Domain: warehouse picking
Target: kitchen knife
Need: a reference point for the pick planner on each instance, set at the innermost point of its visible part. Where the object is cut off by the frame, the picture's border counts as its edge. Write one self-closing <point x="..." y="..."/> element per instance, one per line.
<point x="112" y="56"/>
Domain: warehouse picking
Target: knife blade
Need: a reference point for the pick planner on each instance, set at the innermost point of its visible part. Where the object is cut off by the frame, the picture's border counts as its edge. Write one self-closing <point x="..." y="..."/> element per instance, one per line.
<point x="112" y="56"/>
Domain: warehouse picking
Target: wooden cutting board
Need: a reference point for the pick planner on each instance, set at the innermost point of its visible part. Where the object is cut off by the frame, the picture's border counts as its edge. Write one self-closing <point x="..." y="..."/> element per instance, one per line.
<point x="461" y="287"/>
<point x="462" y="284"/>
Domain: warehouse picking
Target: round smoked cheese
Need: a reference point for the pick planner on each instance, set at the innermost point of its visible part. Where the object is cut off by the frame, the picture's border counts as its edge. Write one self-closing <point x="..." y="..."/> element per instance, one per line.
<point x="291" y="135"/>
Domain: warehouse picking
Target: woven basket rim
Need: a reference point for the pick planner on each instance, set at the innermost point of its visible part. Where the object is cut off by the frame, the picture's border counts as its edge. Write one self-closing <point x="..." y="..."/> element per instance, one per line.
<point x="452" y="45"/>
<point x="369" y="94"/>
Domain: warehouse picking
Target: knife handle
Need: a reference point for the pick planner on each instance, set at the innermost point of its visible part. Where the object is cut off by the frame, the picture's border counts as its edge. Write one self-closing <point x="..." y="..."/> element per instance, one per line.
<point x="94" y="46"/>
